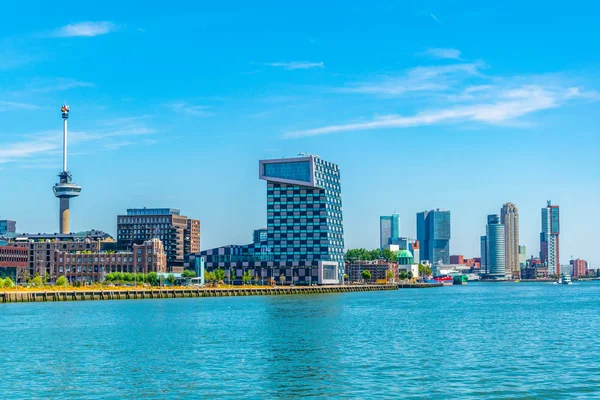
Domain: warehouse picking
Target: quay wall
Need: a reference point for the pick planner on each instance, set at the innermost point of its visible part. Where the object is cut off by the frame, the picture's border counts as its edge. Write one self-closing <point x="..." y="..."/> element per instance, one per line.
<point x="86" y="295"/>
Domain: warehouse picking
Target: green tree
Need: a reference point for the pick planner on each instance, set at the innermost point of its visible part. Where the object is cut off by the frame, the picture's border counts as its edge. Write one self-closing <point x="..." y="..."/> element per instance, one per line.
<point x="128" y="277"/>
<point x="209" y="276"/>
<point x="188" y="274"/>
<point x="366" y="274"/>
<point x="391" y="256"/>
<point x="282" y="279"/>
<point x="247" y="277"/>
<point x="389" y="275"/>
<point x="8" y="283"/>
<point x="424" y="270"/>
<point x="219" y="274"/>
<point x="152" y="278"/>
<point x="61" y="281"/>
<point x="171" y="279"/>
<point x="140" y="277"/>
<point x="409" y="275"/>
<point x="402" y="275"/>
<point x="37" y="281"/>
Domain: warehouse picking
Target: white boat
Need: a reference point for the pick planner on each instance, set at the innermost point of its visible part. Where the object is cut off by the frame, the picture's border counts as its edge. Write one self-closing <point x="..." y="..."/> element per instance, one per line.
<point x="565" y="279"/>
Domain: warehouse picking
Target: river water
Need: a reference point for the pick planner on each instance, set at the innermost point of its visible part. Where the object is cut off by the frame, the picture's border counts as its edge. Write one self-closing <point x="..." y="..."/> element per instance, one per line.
<point x="524" y="340"/>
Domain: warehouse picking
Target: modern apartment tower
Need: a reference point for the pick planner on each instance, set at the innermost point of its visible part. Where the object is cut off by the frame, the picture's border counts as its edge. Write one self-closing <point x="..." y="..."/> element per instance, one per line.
<point x="509" y="217"/>
<point x="495" y="248"/>
<point x="522" y="256"/>
<point x="179" y="234"/>
<point x="389" y="230"/>
<point x="549" y="244"/>
<point x="433" y="233"/>
<point x="304" y="212"/>
<point x="65" y="189"/>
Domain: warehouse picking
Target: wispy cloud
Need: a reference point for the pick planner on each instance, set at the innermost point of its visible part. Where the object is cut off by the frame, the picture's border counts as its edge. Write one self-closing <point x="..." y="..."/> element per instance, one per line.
<point x="85" y="29"/>
<point x="435" y="18"/>
<point x="419" y="79"/>
<point x="510" y="104"/>
<point x="190" y="109"/>
<point x="37" y="86"/>
<point x="296" y="65"/>
<point x="452" y="54"/>
<point x="12" y="105"/>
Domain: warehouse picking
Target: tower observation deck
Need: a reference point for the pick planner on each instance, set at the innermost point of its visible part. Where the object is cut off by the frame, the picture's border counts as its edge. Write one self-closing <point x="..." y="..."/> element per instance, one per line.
<point x="65" y="189"/>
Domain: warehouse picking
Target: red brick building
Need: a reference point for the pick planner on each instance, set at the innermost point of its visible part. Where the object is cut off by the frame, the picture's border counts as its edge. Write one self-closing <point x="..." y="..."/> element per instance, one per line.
<point x="579" y="267"/>
<point x="13" y="261"/>
<point x="457" y="259"/>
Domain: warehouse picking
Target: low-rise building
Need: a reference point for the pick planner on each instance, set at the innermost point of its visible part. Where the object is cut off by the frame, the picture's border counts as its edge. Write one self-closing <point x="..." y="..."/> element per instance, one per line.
<point x="580" y="267"/>
<point x="13" y="261"/>
<point x="88" y="266"/>
<point x="377" y="268"/>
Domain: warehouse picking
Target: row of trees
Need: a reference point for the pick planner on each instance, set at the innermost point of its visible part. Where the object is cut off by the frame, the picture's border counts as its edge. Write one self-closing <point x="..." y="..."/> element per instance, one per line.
<point x="370" y="255"/>
<point x="389" y="275"/>
<point x="150" y="278"/>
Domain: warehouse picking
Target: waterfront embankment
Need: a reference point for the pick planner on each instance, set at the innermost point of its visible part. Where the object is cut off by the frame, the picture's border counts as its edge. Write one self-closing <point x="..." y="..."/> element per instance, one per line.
<point x="162" y="293"/>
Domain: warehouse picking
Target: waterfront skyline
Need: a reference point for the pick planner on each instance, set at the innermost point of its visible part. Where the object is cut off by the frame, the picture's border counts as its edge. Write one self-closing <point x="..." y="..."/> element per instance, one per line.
<point x="205" y="110"/>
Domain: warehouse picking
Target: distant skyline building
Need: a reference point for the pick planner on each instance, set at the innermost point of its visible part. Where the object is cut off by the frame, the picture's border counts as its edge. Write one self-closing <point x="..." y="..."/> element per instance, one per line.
<point x="496" y="246"/>
<point x="549" y="243"/>
<point x="483" y="251"/>
<point x="65" y="189"/>
<point x="509" y="217"/>
<point x="389" y="230"/>
<point x="433" y="233"/>
<point x="7" y="226"/>
<point x="522" y="256"/>
<point x="580" y="267"/>
<point x="180" y="235"/>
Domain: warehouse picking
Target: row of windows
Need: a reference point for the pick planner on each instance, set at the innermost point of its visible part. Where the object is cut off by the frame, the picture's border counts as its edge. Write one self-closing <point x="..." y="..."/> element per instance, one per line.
<point x="147" y="220"/>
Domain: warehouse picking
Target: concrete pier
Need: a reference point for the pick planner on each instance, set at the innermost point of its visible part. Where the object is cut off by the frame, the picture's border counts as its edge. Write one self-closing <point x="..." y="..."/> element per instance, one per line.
<point x="162" y="293"/>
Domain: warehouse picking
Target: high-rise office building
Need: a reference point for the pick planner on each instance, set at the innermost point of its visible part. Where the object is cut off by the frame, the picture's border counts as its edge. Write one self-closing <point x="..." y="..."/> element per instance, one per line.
<point x="433" y="233"/>
<point x="389" y="230"/>
<point x="483" y="247"/>
<point x="549" y="244"/>
<point x="7" y="226"/>
<point x="304" y="209"/>
<point x="496" y="247"/>
<point x="179" y="234"/>
<point x="522" y="256"/>
<point x="509" y="217"/>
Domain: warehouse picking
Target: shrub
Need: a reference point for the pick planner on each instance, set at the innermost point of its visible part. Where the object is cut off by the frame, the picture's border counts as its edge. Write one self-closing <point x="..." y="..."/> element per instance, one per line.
<point x="61" y="281"/>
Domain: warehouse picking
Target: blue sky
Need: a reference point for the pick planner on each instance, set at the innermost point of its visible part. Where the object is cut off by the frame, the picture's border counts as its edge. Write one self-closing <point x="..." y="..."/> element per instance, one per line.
<point x="461" y="105"/>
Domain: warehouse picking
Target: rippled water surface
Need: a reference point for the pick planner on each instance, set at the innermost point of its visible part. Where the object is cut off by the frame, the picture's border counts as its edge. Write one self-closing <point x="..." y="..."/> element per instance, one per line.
<point x="477" y="341"/>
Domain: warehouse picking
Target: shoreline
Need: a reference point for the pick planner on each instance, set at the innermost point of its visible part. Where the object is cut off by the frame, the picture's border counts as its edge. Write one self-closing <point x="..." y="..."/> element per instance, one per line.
<point x="133" y="294"/>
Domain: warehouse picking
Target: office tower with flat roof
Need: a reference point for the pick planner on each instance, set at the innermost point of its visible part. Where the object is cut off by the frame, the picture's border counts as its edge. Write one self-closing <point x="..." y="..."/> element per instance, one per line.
<point x="180" y="235"/>
<point x="509" y="217"/>
<point x="304" y="211"/>
<point x="483" y="247"/>
<point x="389" y="230"/>
<point x="496" y="247"/>
<point x="433" y="233"/>
<point x="549" y="243"/>
<point x="522" y="256"/>
<point x="7" y="226"/>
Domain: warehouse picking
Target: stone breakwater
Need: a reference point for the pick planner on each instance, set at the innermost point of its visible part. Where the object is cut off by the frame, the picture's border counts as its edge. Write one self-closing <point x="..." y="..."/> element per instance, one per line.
<point x="120" y="294"/>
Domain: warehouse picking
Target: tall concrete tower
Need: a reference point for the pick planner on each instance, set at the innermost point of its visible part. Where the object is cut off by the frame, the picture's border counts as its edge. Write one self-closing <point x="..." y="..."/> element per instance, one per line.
<point x="549" y="248"/>
<point x="510" y="219"/>
<point x="65" y="189"/>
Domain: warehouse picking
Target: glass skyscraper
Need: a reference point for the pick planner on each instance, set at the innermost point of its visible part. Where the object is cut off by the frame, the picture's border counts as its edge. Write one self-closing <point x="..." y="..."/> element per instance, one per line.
<point x="496" y="247"/>
<point x="433" y="233"/>
<point x="304" y="211"/>
<point x="389" y="230"/>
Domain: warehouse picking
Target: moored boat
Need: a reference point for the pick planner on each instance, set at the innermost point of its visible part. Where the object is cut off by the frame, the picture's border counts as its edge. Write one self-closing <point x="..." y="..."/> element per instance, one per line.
<point x="565" y="279"/>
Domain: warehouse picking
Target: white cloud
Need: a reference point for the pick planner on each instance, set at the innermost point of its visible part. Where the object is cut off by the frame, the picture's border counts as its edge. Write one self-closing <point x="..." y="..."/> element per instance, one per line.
<point x="510" y="104"/>
<point x="85" y="29"/>
<point x="12" y="105"/>
<point x="190" y="109"/>
<point x="297" y="65"/>
<point x="452" y="54"/>
<point x="419" y="79"/>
